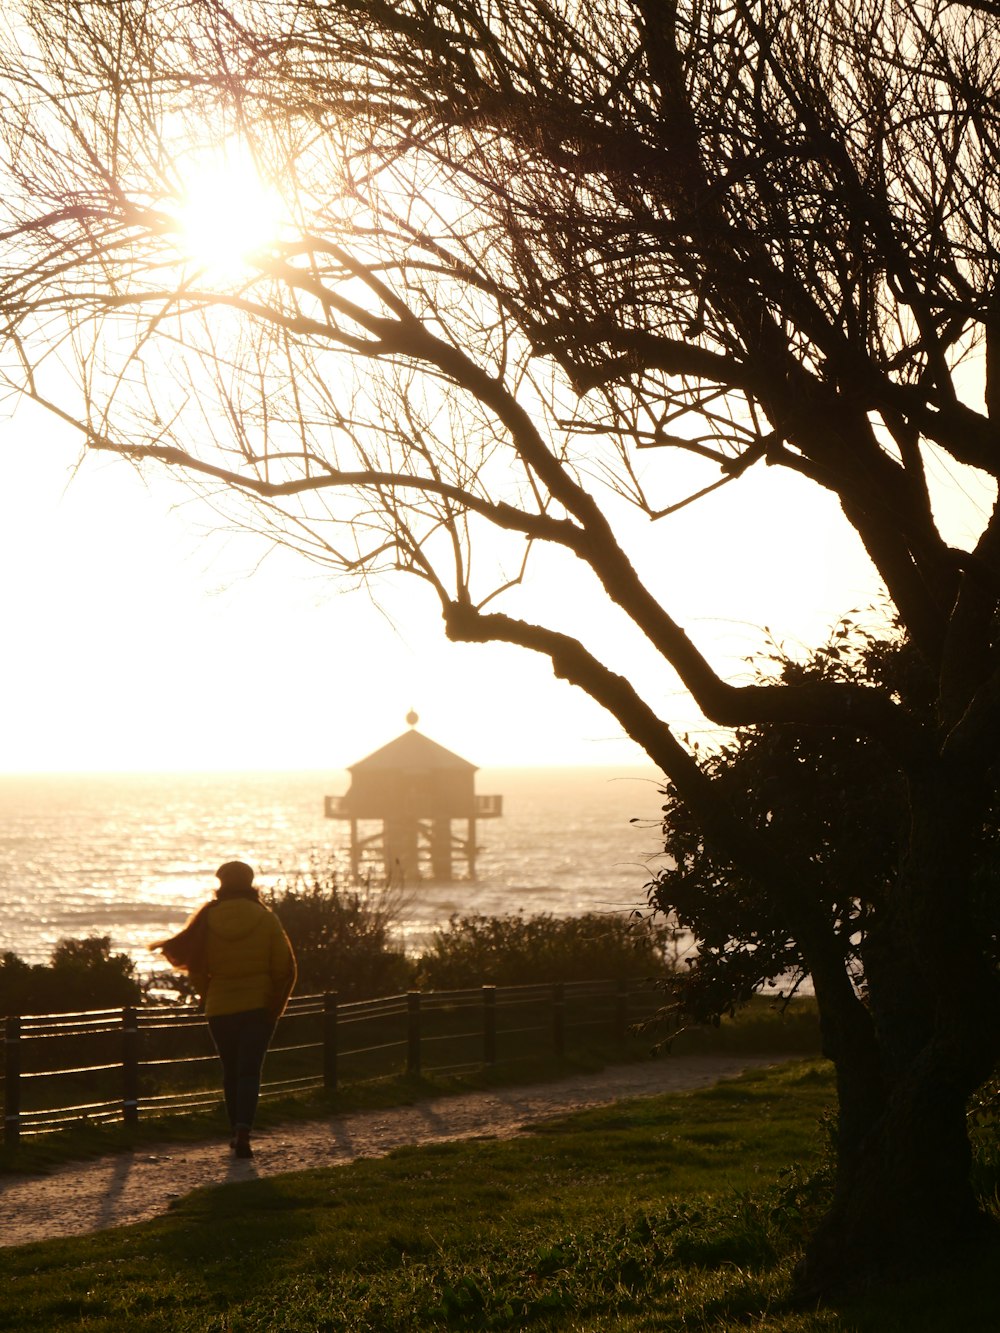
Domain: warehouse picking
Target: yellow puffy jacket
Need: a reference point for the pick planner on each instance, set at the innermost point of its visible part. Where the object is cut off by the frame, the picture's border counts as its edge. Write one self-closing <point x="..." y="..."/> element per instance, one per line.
<point x="247" y="961"/>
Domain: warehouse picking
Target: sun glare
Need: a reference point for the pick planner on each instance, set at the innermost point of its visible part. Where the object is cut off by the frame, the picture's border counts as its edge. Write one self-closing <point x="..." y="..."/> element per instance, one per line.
<point x="227" y="215"/>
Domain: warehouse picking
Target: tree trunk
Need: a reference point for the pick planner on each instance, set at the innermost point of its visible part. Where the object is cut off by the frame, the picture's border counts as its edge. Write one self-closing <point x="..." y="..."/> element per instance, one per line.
<point x="904" y="1197"/>
<point x="903" y="1194"/>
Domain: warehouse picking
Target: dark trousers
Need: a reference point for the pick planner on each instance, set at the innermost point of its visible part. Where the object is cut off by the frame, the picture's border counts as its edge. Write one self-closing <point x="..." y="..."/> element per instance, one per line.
<point x="241" y="1040"/>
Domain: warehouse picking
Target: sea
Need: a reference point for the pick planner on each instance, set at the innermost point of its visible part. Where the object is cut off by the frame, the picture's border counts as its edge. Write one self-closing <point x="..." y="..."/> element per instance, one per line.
<point x="130" y="856"/>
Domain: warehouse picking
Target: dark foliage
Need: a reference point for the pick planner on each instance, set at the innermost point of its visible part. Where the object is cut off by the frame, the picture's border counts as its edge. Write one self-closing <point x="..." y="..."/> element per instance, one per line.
<point x="82" y="974"/>
<point x="835" y="795"/>
<point x="344" y="937"/>
<point x="518" y="950"/>
<point x="832" y="794"/>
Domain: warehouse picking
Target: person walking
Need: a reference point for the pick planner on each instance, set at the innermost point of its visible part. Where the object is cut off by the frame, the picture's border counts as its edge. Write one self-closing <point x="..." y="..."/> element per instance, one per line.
<point x="242" y="966"/>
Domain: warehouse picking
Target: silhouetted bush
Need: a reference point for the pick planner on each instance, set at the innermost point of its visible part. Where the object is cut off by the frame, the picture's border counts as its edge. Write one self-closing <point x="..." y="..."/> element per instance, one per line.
<point x="342" y="935"/>
<point x="517" y="950"/>
<point x="82" y="974"/>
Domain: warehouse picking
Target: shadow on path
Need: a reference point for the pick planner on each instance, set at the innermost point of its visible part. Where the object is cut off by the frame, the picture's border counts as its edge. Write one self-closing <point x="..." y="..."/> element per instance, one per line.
<point x="133" y="1187"/>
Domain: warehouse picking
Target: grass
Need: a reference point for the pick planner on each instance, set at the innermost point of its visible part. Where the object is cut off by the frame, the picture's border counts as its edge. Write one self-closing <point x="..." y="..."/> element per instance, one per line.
<point x="760" y="1027"/>
<point x="670" y="1213"/>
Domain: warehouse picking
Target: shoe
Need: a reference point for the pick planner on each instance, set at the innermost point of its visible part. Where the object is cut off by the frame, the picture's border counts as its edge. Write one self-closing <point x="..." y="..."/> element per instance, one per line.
<point x="241" y="1143"/>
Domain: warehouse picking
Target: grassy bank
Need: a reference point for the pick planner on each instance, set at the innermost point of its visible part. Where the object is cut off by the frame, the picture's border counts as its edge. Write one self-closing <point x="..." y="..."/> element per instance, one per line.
<point x="674" y="1212"/>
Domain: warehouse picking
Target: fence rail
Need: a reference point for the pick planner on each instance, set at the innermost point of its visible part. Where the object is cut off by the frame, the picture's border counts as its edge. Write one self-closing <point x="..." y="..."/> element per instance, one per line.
<point x="120" y="1064"/>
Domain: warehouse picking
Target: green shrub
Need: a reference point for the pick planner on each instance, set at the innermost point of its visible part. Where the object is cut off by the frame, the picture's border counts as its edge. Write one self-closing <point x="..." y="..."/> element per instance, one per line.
<point x="82" y="974"/>
<point x="343" y="936"/>
<point x="516" y="950"/>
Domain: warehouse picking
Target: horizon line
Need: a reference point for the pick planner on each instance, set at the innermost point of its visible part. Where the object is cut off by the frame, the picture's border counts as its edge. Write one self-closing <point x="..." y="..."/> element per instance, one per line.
<point x="197" y="770"/>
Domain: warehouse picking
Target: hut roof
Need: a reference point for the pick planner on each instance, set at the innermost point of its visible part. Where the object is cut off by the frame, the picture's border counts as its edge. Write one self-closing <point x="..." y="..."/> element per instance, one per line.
<point x="412" y="751"/>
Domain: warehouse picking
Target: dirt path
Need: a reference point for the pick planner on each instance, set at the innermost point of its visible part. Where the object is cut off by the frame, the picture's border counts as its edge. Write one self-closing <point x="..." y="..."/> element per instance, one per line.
<point x="132" y="1187"/>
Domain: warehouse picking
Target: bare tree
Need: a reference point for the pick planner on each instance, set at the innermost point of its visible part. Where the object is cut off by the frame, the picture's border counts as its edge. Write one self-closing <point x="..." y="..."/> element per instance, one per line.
<point x="524" y="243"/>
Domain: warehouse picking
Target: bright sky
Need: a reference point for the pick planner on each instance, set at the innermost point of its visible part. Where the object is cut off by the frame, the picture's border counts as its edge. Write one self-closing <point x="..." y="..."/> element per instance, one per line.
<point x="138" y="639"/>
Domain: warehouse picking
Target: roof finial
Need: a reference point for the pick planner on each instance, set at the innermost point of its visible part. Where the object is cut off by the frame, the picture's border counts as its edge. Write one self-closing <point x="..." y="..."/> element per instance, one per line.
<point x="412" y="717"/>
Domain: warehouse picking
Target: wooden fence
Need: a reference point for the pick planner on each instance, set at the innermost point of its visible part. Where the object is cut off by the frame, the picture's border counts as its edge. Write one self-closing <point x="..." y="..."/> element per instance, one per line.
<point x="154" y="1060"/>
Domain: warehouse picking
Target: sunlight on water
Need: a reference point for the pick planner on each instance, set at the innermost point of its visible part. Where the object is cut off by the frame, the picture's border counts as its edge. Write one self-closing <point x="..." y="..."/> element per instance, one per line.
<point x="131" y="856"/>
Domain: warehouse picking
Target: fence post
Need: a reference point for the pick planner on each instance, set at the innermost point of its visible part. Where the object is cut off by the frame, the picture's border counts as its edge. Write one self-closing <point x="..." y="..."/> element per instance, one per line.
<point x="413" y="1032"/>
<point x="621" y="1010"/>
<point x="559" y="1018"/>
<point x="490" y="1025"/>
<point x="330" y="1041"/>
<point x="130" y="1065"/>
<point x="12" y="1081"/>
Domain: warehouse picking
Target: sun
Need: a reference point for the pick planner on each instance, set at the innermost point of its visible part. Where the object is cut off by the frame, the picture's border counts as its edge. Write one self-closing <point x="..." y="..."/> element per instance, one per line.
<point x="227" y="214"/>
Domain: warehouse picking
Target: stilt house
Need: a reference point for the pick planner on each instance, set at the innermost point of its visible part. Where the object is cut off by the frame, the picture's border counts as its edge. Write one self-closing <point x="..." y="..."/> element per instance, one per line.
<point x="413" y="789"/>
